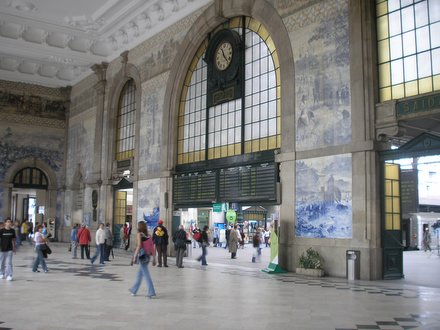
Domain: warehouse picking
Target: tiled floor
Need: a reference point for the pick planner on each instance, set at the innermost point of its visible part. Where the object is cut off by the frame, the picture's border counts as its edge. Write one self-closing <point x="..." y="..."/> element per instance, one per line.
<point x="227" y="294"/>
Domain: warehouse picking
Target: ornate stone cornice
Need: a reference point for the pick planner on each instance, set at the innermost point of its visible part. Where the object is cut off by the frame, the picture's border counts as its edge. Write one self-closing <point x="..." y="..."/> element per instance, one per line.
<point x="387" y="124"/>
<point x="32" y="120"/>
<point x="23" y="88"/>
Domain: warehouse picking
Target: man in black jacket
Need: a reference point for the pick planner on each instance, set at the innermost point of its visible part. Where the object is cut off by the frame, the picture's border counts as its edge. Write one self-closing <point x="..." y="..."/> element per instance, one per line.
<point x="179" y="240"/>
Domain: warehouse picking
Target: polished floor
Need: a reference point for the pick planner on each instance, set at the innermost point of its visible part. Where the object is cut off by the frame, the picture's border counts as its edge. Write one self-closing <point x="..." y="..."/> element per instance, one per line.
<point x="226" y="294"/>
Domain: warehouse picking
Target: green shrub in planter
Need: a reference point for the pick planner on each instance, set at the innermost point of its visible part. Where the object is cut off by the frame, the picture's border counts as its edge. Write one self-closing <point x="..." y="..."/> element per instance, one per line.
<point x="311" y="260"/>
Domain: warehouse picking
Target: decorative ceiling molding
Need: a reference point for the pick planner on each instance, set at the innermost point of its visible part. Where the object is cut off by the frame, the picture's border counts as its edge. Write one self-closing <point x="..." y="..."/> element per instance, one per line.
<point x="56" y="42"/>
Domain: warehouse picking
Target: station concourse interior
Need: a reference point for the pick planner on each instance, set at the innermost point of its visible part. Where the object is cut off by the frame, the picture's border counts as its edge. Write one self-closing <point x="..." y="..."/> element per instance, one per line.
<point x="318" y="121"/>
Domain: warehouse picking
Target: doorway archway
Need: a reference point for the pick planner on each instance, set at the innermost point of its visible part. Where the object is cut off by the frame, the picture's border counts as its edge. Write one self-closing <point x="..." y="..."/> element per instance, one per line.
<point x="32" y="187"/>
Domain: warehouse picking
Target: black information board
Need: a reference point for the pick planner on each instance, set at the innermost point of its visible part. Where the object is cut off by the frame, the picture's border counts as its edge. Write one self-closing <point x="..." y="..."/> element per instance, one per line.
<point x="198" y="187"/>
<point x="246" y="183"/>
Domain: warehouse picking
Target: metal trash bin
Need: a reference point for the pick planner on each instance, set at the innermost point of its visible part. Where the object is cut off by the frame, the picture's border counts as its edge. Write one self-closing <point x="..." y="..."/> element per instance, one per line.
<point x="353" y="264"/>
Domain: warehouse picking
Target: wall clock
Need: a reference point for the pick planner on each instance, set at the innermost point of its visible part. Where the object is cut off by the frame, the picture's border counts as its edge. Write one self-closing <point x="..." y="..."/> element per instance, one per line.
<point x="224" y="57"/>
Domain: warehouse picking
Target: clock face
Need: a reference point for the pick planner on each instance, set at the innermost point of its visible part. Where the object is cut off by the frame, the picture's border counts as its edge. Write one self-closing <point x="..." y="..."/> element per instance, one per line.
<point x="223" y="55"/>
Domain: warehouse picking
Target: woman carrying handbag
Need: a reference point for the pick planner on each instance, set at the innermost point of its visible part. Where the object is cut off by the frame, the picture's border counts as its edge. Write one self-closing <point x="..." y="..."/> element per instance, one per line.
<point x="40" y="245"/>
<point x="145" y="247"/>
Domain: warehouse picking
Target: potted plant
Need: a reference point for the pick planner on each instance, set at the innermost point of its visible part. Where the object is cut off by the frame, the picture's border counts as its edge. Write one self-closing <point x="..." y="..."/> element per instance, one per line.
<point x="311" y="263"/>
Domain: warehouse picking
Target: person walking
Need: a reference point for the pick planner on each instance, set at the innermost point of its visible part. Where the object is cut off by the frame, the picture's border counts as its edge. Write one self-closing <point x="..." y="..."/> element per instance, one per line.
<point x="84" y="239"/>
<point x="196" y="234"/>
<point x="24" y="230"/>
<point x="427" y="240"/>
<point x="242" y="236"/>
<point x="267" y="237"/>
<point x="204" y="244"/>
<point x="127" y="232"/>
<point x="108" y="242"/>
<point x="122" y="236"/>
<point x="234" y="240"/>
<point x="7" y="249"/>
<point x="227" y="235"/>
<point x="256" y="242"/>
<point x="216" y="237"/>
<point x="40" y="242"/>
<point x="17" y="228"/>
<point x="44" y="232"/>
<point x="100" y="245"/>
<point x="179" y="239"/>
<point x="74" y="240"/>
<point x="30" y="231"/>
<point x="141" y="238"/>
<point x="160" y="239"/>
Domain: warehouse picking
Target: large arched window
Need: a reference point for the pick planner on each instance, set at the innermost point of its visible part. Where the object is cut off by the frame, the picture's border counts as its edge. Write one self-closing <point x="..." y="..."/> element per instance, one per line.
<point x="125" y="129"/>
<point x="408" y="34"/>
<point x="245" y="125"/>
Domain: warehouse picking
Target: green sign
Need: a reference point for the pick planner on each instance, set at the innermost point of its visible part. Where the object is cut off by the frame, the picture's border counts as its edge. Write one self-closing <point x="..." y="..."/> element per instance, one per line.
<point x="217" y="207"/>
<point x="231" y="216"/>
<point x="419" y="104"/>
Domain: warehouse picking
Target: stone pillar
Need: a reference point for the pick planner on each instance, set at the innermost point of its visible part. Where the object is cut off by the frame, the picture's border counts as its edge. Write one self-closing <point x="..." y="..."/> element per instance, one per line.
<point x="96" y="180"/>
<point x="100" y="71"/>
<point x="7" y="195"/>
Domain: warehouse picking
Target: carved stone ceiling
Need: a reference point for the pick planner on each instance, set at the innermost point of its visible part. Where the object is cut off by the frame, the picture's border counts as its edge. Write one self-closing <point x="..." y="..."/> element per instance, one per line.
<point x="55" y="42"/>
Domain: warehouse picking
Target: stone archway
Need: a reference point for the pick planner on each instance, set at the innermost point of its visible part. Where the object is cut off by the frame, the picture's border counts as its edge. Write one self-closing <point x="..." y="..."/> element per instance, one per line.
<point x="212" y="17"/>
<point x="47" y="195"/>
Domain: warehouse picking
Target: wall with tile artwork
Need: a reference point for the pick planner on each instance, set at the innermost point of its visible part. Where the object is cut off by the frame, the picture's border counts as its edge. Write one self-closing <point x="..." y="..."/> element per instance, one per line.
<point x="32" y="129"/>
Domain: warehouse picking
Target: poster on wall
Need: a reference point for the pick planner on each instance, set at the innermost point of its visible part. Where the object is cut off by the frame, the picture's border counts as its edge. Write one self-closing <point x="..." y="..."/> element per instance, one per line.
<point x="148" y="202"/>
<point x="88" y="219"/>
<point x="324" y="197"/>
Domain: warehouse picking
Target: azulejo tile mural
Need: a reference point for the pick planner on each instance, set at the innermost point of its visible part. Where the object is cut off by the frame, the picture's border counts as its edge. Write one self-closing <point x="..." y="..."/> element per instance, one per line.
<point x="16" y="144"/>
<point x="324" y="197"/>
<point x="322" y="78"/>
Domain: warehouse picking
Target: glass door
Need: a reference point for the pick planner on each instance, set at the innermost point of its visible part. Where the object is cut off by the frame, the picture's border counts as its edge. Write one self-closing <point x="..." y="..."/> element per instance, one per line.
<point x="392" y="223"/>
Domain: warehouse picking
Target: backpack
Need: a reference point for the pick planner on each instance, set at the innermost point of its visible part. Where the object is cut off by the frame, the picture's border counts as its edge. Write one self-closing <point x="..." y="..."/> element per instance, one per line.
<point x="146" y="250"/>
<point x="148" y="246"/>
<point x="197" y="236"/>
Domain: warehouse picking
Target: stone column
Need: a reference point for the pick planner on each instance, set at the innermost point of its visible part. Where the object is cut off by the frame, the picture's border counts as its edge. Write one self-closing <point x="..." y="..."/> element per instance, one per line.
<point x="100" y="71"/>
<point x="95" y="182"/>
<point x="6" y="207"/>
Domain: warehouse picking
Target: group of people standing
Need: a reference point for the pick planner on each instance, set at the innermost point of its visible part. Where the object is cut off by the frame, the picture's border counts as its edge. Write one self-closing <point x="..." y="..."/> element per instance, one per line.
<point x="235" y="239"/>
<point x="80" y="236"/>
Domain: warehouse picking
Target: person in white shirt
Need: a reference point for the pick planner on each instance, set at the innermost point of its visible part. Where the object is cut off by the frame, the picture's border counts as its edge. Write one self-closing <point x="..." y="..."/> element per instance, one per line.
<point x="100" y="245"/>
<point x="267" y="237"/>
<point x="40" y="241"/>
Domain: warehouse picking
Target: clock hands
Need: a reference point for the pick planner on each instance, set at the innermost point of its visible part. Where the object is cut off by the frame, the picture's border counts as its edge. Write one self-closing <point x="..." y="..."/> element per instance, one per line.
<point x="224" y="56"/>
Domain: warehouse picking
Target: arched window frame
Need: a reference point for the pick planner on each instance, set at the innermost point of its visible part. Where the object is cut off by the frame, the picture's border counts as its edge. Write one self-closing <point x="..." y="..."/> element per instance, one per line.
<point x="226" y="130"/>
<point x="125" y="122"/>
<point x="30" y="177"/>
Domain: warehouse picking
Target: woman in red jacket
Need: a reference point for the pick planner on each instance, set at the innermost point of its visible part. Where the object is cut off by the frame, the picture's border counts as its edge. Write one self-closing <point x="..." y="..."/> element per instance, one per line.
<point x="84" y="239"/>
